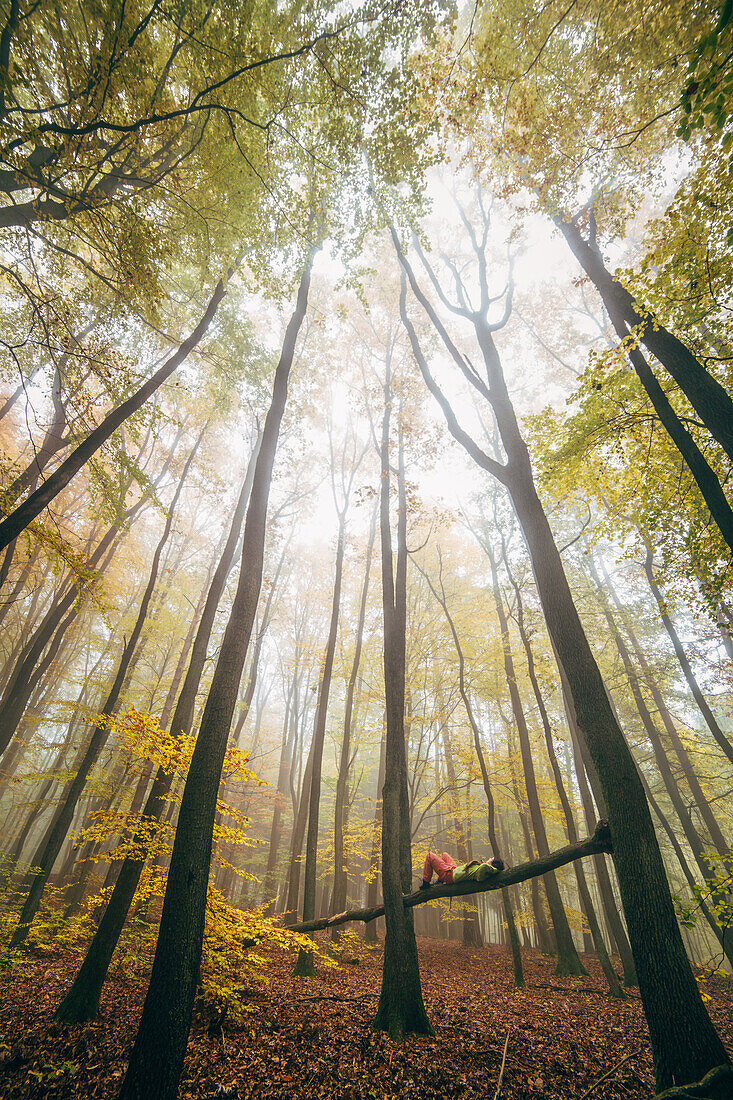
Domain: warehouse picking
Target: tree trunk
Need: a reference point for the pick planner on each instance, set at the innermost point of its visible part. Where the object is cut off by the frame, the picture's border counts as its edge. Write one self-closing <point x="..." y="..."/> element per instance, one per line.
<point x="708" y="398"/>
<point x="157" y="1056"/>
<point x="470" y="926"/>
<point x="721" y="740"/>
<point x="370" y="932"/>
<point x="26" y="512"/>
<point x="283" y="779"/>
<point x="81" y="1003"/>
<point x="401" y="1009"/>
<point x="614" y="986"/>
<point x="341" y="808"/>
<point x="699" y="901"/>
<point x="605" y="886"/>
<point x="660" y="756"/>
<point x="99" y="736"/>
<point x="688" y="771"/>
<point x="684" y="1041"/>
<point x="505" y="898"/>
<point x="568" y="961"/>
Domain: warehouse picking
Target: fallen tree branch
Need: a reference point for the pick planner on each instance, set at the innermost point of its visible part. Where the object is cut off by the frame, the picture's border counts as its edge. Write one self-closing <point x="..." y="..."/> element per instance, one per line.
<point x="591" y="846"/>
<point x="497" y="1094"/>
<point x="610" y="1073"/>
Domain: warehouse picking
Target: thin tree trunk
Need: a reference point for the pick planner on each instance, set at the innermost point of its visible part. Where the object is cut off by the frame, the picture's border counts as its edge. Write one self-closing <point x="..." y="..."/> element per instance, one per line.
<point x="283" y="777"/>
<point x="688" y="771"/>
<point x="471" y="931"/>
<point x="341" y="808"/>
<point x="614" y="986"/>
<point x="721" y="740"/>
<point x="100" y="733"/>
<point x="26" y="512"/>
<point x="662" y="761"/>
<point x="370" y="932"/>
<point x="304" y="965"/>
<point x="568" y="961"/>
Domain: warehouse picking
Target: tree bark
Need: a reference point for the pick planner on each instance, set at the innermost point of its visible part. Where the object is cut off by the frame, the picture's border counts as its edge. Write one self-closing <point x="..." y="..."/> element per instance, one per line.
<point x="99" y="736"/>
<point x="81" y="1003"/>
<point x="401" y="1009"/>
<point x="684" y="1041"/>
<point x="157" y="1056"/>
<point x="26" y="512"/>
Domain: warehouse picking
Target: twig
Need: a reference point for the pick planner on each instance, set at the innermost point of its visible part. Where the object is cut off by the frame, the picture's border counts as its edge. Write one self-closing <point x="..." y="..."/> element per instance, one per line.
<point x="501" y="1071"/>
<point x="595" y="1084"/>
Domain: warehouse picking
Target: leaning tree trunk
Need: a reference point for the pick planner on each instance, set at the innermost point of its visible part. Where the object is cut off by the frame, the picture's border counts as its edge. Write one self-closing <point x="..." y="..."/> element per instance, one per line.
<point x="99" y="736"/>
<point x="81" y="1003"/>
<point x="710" y="400"/>
<point x="157" y="1056"/>
<point x="660" y="755"/>
<point x="721" y="740"/>
<point x="600" y="841"/>
<point x="26" y="512"/>
<point x="703" y="806"/>
<point x="33" y="661"/>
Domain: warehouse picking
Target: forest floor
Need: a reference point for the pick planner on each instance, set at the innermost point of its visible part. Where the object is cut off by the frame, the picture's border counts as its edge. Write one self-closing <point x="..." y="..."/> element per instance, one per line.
<point x="311" y="1037"/>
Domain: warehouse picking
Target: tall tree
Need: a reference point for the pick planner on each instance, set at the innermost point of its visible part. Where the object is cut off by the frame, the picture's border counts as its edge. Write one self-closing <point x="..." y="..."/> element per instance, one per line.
<point x="685" y="1043"/>
<point x="157" y="1056"/>
<point x="401" y="1009"/>
<point x="81" y="1002"/>
<point x="341" y="805"/>
<point x="100" y="732"/>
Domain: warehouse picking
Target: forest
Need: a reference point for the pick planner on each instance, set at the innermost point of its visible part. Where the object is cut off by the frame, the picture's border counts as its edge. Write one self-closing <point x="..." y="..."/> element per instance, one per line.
<point x="366" y="549"/>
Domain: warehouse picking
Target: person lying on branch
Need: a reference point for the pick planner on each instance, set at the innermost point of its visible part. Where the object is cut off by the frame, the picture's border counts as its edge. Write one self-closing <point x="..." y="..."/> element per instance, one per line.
<point x="448" y="871"/>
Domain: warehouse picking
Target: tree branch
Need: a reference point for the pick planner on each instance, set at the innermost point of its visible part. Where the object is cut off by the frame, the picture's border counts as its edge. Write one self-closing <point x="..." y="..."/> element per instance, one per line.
<point x="591" y="846"/>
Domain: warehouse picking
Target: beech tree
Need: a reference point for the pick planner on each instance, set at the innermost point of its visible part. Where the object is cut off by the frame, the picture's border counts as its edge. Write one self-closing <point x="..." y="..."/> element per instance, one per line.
<point x="684" y="1050"/>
